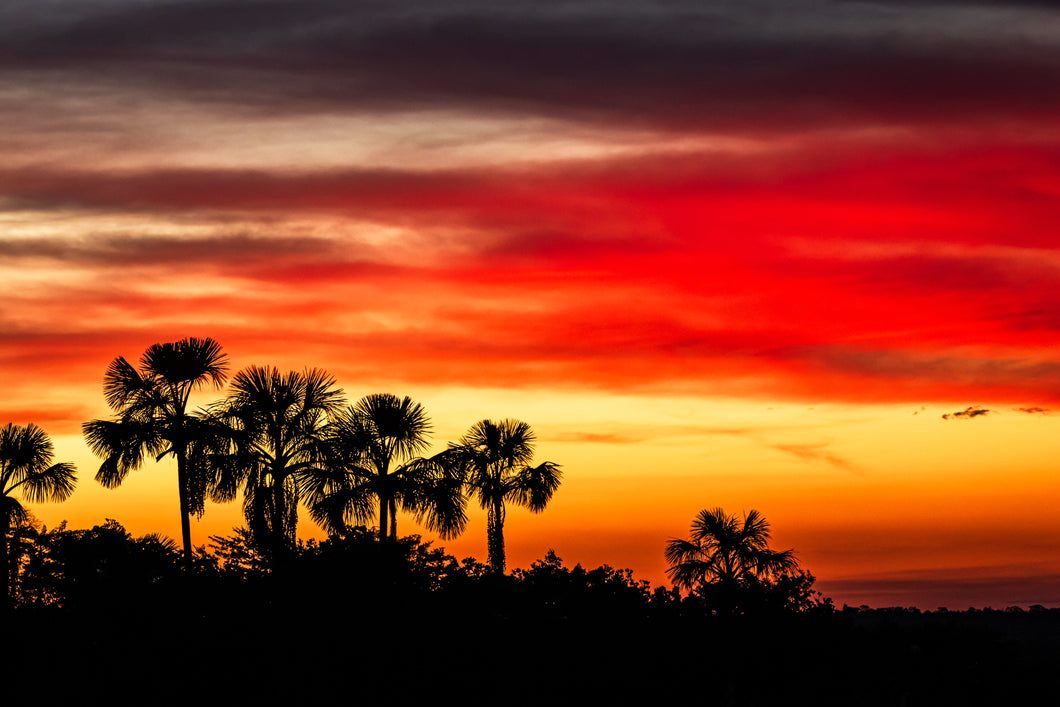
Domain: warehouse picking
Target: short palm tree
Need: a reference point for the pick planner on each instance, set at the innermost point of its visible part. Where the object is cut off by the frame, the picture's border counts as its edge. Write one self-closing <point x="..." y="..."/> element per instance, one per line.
<point x="376" y="443"/>
<point x="493" y="459"/>
<point x="26" y="469"/>
<point x="279" y="433"/>
<point x="724" y="550"/>
<point x="153" y="419"/>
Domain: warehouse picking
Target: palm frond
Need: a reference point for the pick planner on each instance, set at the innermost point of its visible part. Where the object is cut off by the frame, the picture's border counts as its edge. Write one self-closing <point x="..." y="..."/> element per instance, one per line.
<point x="192" y="362"/>
<point x="770" y="563"/>
<point x="55" y="483"/>
<point x="755" y="529"/>
<point x="714" y="526"/>
<point x="23" y="450"/>
<point x="508" y="441"/>
<point x="321" y="391"/>
<point x="25" y="461"/>
<point x="337" y="511"/>
<point x="533" y="486"/>
<point x="689" y="574"/>
<point x="434" y="494"/>
<point x="319" y="480"/>
<point x="400" y="424"/>
<point x="122" y="383"/>
<point x="122" y="444"/>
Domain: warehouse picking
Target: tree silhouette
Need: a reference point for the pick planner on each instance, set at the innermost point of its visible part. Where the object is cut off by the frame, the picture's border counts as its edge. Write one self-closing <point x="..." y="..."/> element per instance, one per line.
<point x="151" y="403"/>
<point x="279" y="432"/>
<point x="725" y="551"/>
<point x="26" y="468"/>
<point x="376" y="443"/>
<point x="493" y="459"/>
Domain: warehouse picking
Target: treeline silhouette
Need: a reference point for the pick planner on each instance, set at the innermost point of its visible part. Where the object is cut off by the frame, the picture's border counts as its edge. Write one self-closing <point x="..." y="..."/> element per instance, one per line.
<point x="403" y="622"/>
<point x="91" y="569"/>
<point x="368" y="615"/>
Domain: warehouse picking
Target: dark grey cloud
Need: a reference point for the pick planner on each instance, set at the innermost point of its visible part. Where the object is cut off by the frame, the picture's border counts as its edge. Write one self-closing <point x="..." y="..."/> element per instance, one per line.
<point x="958" y="3"/>
<point x="1034" y="410"/>
<point x="148" y="250"/>
<point x="206" y="189"/>
<point x="967" y="414"/>
<point x="684" y="64"/>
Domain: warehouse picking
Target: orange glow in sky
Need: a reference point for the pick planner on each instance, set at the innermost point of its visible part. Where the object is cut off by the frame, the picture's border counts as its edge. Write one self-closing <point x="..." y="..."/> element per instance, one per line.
<point x="709" y="264"/>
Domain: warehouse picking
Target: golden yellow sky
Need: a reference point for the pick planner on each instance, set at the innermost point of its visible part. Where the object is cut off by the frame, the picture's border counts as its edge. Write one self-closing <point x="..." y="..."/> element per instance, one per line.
<point x="862" y="492"/>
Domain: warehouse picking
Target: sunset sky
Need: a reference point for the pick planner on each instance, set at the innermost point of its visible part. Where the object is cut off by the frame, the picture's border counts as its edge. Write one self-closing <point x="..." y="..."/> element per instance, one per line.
<point x="799" y="256"/>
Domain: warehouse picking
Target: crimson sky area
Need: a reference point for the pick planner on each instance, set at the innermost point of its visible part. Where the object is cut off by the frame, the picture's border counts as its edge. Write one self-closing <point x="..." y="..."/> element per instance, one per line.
<point x="795" y="256"/>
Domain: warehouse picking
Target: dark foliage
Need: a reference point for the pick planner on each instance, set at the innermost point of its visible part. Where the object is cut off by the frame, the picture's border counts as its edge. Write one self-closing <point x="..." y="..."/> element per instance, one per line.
<point x="400" y="622"/>
<point x="786" y="593"/>
<point x="98" y="569"/>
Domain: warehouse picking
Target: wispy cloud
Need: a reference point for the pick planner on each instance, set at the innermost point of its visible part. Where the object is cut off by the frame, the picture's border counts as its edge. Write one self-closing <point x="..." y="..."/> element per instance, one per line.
<point x="968" y="413"/>
<point x="597" y="438"/>
<point x="57" y="418"/>
<point x="813" y="453"/>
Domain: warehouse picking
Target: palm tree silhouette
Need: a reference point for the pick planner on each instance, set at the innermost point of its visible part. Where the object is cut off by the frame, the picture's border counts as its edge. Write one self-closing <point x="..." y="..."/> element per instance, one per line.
<point x="376" y="443"/>
<point x="724" y="550"/>
<point x="151" y="403"/>
<point x="279" y="432"/>
<point x="493" y="459"/>
<point x="26" y="468"/>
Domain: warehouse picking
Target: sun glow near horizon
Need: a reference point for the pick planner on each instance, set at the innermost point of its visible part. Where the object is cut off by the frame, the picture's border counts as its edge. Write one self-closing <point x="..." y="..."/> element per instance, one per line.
<point x="857" y="490"/>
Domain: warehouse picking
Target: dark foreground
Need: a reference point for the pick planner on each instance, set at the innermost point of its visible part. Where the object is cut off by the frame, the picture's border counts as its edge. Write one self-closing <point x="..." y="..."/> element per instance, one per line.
<point x="105" y="619"/>
<point x="326" y="650"/>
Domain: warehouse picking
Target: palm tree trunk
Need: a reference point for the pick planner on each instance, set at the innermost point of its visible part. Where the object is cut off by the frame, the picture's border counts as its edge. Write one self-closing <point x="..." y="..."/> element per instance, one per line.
<point x="185" y="510"/>
<point x="384" y="506"/>
<point x="5" y="594"/>
<point x="393" y="519"/>
<point x="278" y="526"/>
<point x="495" y="537"/>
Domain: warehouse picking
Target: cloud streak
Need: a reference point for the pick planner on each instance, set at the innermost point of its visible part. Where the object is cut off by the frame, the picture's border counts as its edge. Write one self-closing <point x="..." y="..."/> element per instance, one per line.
<point x="679" y="65"/>
<point x="812" y="453"/>
<point x="968" y="413"/>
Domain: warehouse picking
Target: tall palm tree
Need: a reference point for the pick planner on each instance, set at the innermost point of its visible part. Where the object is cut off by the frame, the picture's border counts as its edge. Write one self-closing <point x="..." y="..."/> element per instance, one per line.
<point x="279" y="432"/>
<point x="494" y="462"/>
<point x="376" y="442"/>
<point x="26" y="468"/>
<point x="723" y="550"/>
<point x="153" y="419"/>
